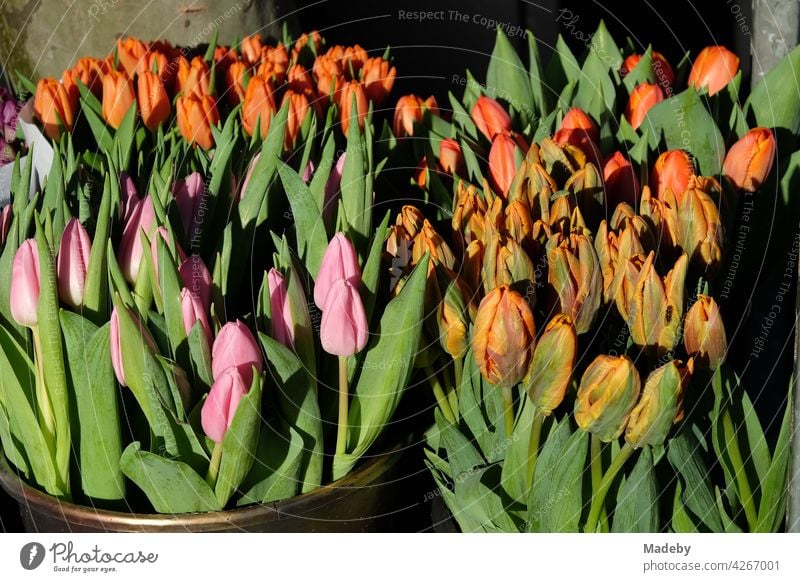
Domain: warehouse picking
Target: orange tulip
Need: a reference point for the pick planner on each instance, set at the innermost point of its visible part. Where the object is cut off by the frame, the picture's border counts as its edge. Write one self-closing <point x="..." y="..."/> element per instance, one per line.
<point x="90" y="71"/>
<point x="224" y="57"/>
<point x="129" y="52"/>
<point x="352" y="90"/>
<point x="259" y="103"/>
<point x="714" y="68"/>
<point x="154" y="104"/>
<point x="749" y="161"/>
<point x="118" y="97"/>
<point x="276" y="54"/>
<point x="451" y="158"/>
<point x="622" y="184"/>
<point x="235" y="79"/>
<point x="642" y="98"/>
<point x="153" y="61"/>
<point x="300" y="80"/>
<point x="672" y="171"/>
<point x="251" y="49"/>
<point x="193" y="77"/>
<point x="378" y="78"/>
<point x="582" y="139"/>
<point x="196" y="114"/>
<point x="273" y="71"/>
<point x="662" y="70"/>
<point x="354" y="58"/>
<point x="55" y="105"/>
<point x="409" y="110"/>
<point x="312" y="40"/>
<point x="490" y="117"/>
<point x="328" y="72"/>
<point x="505" y="157"/>
<point x="576" y="118"/>
<point x="299" y="106"/>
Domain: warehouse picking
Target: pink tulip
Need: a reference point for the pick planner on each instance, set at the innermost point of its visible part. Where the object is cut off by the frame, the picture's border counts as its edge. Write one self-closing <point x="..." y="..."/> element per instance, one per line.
<point x="221" y="403"/>
<point x="338" y="262"/>
<point x="73" y="262"/>
<point x="128" y="193"/>
<point x="197" y="279"/>
<point x="344" y="329"/>
<point x="141" y="217"/>
<point x="5" y="224"/>
<point x="116" y="343"/>
<point x="25" y="281"/>
<point x="193" y="311"/>
<point x="248" y="175"/>
<point x="280" y="309"/>
<point x="190" y="196"/>
<point x="164" y="234"/>
<point x="308" y="173"/>
<point x="332" y="186"/>
<point x="235" y="347"/>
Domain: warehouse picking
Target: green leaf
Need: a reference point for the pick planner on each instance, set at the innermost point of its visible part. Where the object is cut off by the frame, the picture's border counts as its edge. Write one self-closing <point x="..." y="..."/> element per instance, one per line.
<point x="508" y="78"/>
<point x="637" y="499"/>
<point x="357" y="202"/>
<point x="775" y="484"/>
<point x="462" y="456"/>
<point x="312" y="239"/>
<point x="277" y="472"/>
<point x="11" y="446"/>
<point x="481" y="407"/>
<point x="756" y="453"/>
<point x="775" y="101"/>
<point x="606" y="49"/>
<point x="370" y="276"/>
<point x="539" y="90"/>
<point x="642" y="72"/>
<point x="476" y="493"/>
<point x="596" y="91"/>
<point x="563" y="67"/>
<point x="515" y="464"/>
<point x="171" y="486"/>
<point x="95" y="299"/>
<point x="103" y="134"/>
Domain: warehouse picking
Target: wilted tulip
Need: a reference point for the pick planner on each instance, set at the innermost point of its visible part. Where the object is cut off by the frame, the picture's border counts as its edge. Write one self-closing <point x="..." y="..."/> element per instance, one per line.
<point x="430" y="241"/>
<point x="672" y="171"/>
<point x="451" y="158"/>
<point x="73" y="262"/>
<point x="235" y="347"/>
<point x="575" y="275"/>
<point x="55" y="105"/>
<point x="280" y="309"/>
<point x="338" y="262"/>
<point x="153" y="100"/>
<point x="700" y="229"/>
<point x="141" y="219"/>
<point x="714" y="68"/>
<point x="259" y="106"/>
<point x="344" y="329"/>
<point x="613" y="251"/>
<point x="577" y="118"/>
<point x="189" y="195"/>
<point x="411" y="218"/>
<point x="505" y="262"/>
<point x="642" y="98"/>
<point x="116" y="342"/>
<point x="193" y="77"/>
<point x="196" y="277"/>
<point x="130" y="51"/>
<point x="518" y="223"/>
<point x="661" y="404"/>
<point x="490" y="117"/>
<point x="503" y="337"/>
<point x="219" y="407"/>
<point x="377" y="75"/>
<point x="5" y="223"/>
<point x="607" y="393"/>
<point x="749" y="161"/>
<point x="192" y="310"/>
<point x="409" y="110"/>
<point x="352" y="92"/>
<point x="196" y="115"/>
<point x="25" y="284"/>
<point x="552" y="365"/>
<point x="118" y="97"/>
<point x="505" y="156"/>
<point x="661" y="68"/>
<point x="621" y="181"/>
<point x="704" y="332"/>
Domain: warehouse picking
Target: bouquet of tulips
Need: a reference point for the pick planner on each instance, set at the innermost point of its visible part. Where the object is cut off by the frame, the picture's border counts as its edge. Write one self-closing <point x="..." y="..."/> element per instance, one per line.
<point x="161" y="322"/>
<point x="579" y="221"/>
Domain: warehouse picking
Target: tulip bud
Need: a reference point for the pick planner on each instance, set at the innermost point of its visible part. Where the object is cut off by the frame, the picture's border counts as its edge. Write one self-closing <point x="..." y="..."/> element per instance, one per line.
<point x="505" y="156"/>
<point x="300" y="80"/>
<point x="219" y="407"/>
<point x="700" y="229"/>
<point x="141" y="219"/>
<point x="5" y="223"/>
<point x="73" y="262"/>
<point x="576" y="118"/>
<point x="235" y="347"/>
<point x="506" y="263"/>
<point x="672" y="171"/>
<point x="518" y="221"/>
<point x="344" y="330"/>
<point x="490" y="118"/>
<point x="189" y="195"/>
<point x="749" y="161"/>
<point x="236" y="77"/>
<point x="607" y="393"/>
<point x="704" y="333"/>
<point x="575" y="275"/>
<point x="311" y="42"/>
<point x="280" y="309"/>
<point x="553" y="363"/>
<point x="430" y="241"/>
<point x="118" y="97"/>
<point x="130" y="52"/>
<point x="473" y="263"/>
<point x="163" y="233"/>
<point x="409" y="110"/>
<point x="661" y="217"/>
<point x="660" y="406"/>
<point x="621" y="181"/>
<point x="116" y="343"/>
<point x="259" y="106"/>
<point x="25" y="284"/>
<point x="352" y="91"/>
<point x="332" y="187"/>
<point x="192" y="310"/>
<point x="662" y="70"/>
<point x="90" y="72"/>
<point x="326" y="71"/>
<point x="714" y="68"/>
<point x="338" y="262"/>
<point x="193" y="77"/>
<point x="626" y="275"/>
<point x="641" y="100"/>
<point x="377" y="75"/>
<point x="196" y="115"/>
<point x="299" y="107"/>
<point x="613" y="250"/>
<point x="503" y="337"/>
<point x="468" y="217"/>
<point x="55" y="105"/>
<point x="451" y="159"/>
<point x="196" y="278"/>
<point x="453" y="317"/>
<point x="153" y="100"/>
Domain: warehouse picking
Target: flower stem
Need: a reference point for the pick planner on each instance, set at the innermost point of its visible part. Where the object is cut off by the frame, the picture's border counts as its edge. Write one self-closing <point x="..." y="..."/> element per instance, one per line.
<point x="47" y="417"/>
<point x="599" y="496"/>
<point x="441" y="398"/>
<point x="745" y="492"/>
<point x="213" y="467"/>
<point x="596" y="464"/>
<point x="458" y="365"/>
<point x="533" y="447"/>
<point x="341" y="437"/>
<point x="508" y="404"/>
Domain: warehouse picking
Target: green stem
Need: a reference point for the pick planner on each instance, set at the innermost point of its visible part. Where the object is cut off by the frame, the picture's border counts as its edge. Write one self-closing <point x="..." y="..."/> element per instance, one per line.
<point x="745" y="492"/>
<point x="599" y="496"/>
<point x="508" y="404"/>
<point x="458" y="365"/>
<point x="441" y="398"/>
<point x="597" y="474"/>
<point x="47" y="417"/>
<point x="341" y="437"/>
<point x="213" y="467"/>
<point x="533" y="446"/>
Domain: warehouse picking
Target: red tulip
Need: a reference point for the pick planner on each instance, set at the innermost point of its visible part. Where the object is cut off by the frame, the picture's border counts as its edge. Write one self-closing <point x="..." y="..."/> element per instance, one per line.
<point x="235" y="347"/>
<point x="141" y="217"/>
<point x="662" y="70"/>
<point x="25" y="284"/>
<point x="576" y="118"/>
<point x="192" y="310"/>
<point x="190" y="195"/>
<point x="338" y="262"/>
<point x="749" y="161"/>
<point x="197" y="279"/>
<point x="714" y="68"/>
<point x="504" y="159"/>
<point x="280" y="309"/>
<point x="344" y="330"/>
<point x="451" y="158"/>
<point x="378" y="78"/>
<point x="622" y="183"/>
<point x="672" y="171"/>
<point x="581" y="139"/>
<point x="490" y="117"/>
<point x="73" y="262"/>
<point x="642" y="98"/>
<point x="219" y="407"/>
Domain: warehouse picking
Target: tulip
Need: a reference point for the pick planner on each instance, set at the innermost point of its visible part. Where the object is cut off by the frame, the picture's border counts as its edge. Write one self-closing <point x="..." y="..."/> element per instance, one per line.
<point x="300" y="80"/>
<point x="55" y="105"/>
<point x="354" y="58"/>
<point x="518" y="221"/>
<point x="338" y="262"/>
<point x="90" y="71"/>
<point x="128" y="193"/>
<point x="344" y="329"/>
<point x="277" y="55"/>
<point x="575" y="275"/>
<point x="749" y="161"/>
<point x="130" y="52"/>
<point x="580" y="139"/>
<point x="468" y="217"/>
<point x="193" y="77"/>
<point x="621" y="181"/>
<point x="73" y="262"/>
<point x="552" y="365"/>
<point x="409" y="110"/>
<point x="662" y="217"/>
<point x="236" y="78"/>
<point x="235" y="347"/>
<point x="641" y="100"/>
<point x="153" y="101"/>
<point x="453" y="317"/>
<point x="505" y="157"/>
<point x="672" y="171"/>
<point x="327" y="72"/>
<point x="626" y="275"/>
<point x="311" y="42"/>
<point x="576" y="118"/>
<point x="5" y="223"/>
<point x="607" y="393"/>
<point x="250" y="167"/>
<point x="490" y="118"/>
<point x="430" y="241"/>
<point x="250" y="48"/>
<point x="196" y="277"/>
<point x="714" y="68"/>
<point x="259" y="106"/>
<point x="503" y="337"/>
<point x="141" y="219"/>
<point x="299" y="107"/>
<point x="163" y="233"/>
<point x="613" y="251"/>
<point x="332" y="185"/>
<point x="473" y="263"/>
<point x="280" y="309"/>
<point x="411" y="219"/>
<point x="451" y="159"/>
<point x="193" y="310"/>
<point x="196" y="115"/>
<point x="377" y="75"/>
<point x="662" y="70"/>
<point x="190" y="195"/>
<point x="25" y="284"/>
<point x="116" y="343"/>
<point x="118" y="97"/>
<point x="704" y="332"/>
<point x="660" y="406"/>
<point x="350" y="91"/>
<point x="505" y="263"/>
<point x="700" y="229"/>
<point x="157" y="62"/>
<point x="219" y="407"/>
